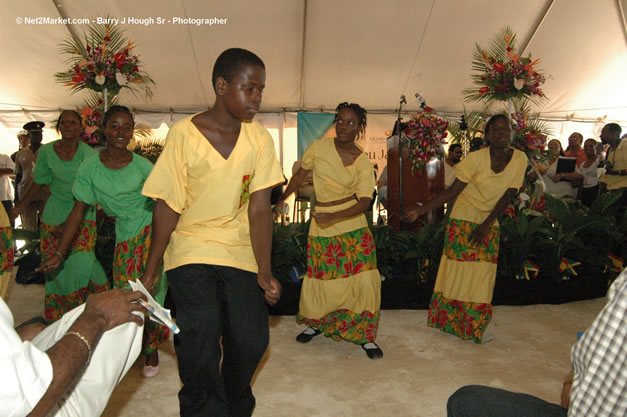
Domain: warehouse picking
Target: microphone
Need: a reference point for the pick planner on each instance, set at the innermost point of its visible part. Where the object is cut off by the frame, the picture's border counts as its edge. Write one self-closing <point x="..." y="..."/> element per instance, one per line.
<point x="403" y="100"/>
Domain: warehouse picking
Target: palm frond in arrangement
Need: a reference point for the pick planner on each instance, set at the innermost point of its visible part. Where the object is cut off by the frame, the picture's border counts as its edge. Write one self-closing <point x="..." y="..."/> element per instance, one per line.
<point x="146" y="146"/>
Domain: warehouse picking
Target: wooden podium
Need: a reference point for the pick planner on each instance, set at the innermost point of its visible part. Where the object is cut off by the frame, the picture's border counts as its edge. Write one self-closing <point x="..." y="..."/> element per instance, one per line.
<point x="414" y="189"/>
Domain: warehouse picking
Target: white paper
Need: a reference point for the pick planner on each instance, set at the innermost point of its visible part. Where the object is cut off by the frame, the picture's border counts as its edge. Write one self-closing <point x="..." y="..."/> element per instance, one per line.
<point x="158" y="313"/>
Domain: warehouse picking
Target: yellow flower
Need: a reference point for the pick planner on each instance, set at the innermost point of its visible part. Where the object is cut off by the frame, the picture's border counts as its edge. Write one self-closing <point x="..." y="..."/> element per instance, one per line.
<point x="351" y="248"/>
<point x="465" y="228"/>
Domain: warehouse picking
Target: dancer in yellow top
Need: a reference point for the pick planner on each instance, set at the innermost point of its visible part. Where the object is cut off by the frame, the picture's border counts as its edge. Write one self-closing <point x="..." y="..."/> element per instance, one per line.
<point x="486" y="182"/>
<point x="341" y="292"/>
<point x="212" y="184"/>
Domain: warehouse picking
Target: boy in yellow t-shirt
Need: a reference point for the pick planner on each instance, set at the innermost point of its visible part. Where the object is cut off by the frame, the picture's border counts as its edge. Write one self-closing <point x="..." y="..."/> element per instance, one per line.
<point x="212" y="184"/>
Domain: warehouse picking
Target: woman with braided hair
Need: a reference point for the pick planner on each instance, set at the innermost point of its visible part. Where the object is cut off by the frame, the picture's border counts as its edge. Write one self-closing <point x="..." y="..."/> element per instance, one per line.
<point x="341" y="292"/>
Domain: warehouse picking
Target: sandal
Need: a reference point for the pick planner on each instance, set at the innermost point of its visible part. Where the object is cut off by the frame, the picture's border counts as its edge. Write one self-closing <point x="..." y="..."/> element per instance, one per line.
<point x="308" y="334"/>
<point x="372" y="350"/>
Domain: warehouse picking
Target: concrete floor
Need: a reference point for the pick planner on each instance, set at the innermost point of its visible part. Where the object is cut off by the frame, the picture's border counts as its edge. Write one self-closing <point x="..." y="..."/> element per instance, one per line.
<point x="420" y="369"/>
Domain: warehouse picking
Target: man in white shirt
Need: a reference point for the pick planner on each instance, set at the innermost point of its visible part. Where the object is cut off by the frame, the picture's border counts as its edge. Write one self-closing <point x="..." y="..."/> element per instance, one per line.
<point x="69" y="369"/>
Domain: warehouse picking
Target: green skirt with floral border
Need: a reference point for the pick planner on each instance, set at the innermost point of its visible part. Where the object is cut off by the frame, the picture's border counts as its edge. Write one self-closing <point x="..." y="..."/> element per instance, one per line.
<point x="129" y="263"/>
<point x="78" y="276"/>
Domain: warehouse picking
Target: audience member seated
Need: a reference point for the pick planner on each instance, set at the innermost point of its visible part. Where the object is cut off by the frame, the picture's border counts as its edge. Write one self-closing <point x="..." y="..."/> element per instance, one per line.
<point x="598" y="387"/>
<point x="589" y="170"/>
<point x="71" y="367"/>
<point x="557" y="184"/>
<point x="454" y="156"/>
<point x="574" y="149"/>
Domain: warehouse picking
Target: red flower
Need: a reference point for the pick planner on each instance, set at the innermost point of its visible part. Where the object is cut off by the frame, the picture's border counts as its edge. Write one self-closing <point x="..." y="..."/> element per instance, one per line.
<point x="124" y="246"/>
<point x="484" y="307"/>
<point x="367" y="244"/>
<point x="333" y="253"/>
<point x="348" y="267"/>
<point x="498" y="67"/>
<point x="357" y="268"/>
<point x="484" y="90"/>
<point x="78" y="78"/>
<point x="120" y="59"/>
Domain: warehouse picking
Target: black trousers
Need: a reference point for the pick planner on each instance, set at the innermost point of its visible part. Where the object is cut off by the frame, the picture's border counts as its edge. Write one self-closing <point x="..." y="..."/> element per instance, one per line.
<point x="8" y="205"/>
<point x="218" y="304"/>
<point x="481" y="401"/>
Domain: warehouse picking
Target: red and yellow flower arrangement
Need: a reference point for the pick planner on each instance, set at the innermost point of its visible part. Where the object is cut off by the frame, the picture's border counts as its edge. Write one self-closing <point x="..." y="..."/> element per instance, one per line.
<point x="424" y="138"/>
<point x="502" y="74"/>
<point x="105" y="62"/>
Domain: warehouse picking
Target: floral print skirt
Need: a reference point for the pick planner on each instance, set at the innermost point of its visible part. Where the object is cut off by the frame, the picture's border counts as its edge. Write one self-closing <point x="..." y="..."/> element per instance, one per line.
<point x="7" y="255"/>
<point x="461" y="302"/>
<point x="129" y="262"/>
<point x="78" y="276"/>
<point x="341" y="293"/>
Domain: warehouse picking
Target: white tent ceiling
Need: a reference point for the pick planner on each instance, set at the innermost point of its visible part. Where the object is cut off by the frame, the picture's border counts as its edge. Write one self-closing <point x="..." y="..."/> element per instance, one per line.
<point x="321" y="52"/>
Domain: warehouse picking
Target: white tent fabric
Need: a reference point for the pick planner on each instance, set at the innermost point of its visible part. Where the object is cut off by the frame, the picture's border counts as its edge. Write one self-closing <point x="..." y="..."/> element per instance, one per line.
<point x="322" y="52"/>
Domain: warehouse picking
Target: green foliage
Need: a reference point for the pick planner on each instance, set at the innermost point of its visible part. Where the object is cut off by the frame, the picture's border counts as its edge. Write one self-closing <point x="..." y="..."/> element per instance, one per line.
<point x="289" y="249"/>
<point x="146" y="146"/>
<point x="566" y="229"/>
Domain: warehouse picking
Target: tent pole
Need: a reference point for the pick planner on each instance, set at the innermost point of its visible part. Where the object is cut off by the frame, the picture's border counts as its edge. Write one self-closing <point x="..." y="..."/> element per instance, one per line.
<point x="622" y="15"/>
<point x="302" y="57"/>
<point x="61" y="10"/>
<point x="535" y="30"/>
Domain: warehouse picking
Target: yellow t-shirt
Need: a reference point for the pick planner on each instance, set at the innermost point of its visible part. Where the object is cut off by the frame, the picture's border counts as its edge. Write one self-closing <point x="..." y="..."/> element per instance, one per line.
<point x="618" y="159"/>
<point x="485" y="187"/>
<point x="211" y="193"/>
<point x="334" y="181"/>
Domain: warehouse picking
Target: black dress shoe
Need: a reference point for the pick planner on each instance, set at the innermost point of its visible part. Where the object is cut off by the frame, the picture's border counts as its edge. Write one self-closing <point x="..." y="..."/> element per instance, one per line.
<point x="372" y="352"/>
<point x="307" y="335"/>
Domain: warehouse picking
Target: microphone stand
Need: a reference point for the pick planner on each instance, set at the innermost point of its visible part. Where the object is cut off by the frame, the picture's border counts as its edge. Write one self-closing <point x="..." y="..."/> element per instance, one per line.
<point x="400" y="156"/>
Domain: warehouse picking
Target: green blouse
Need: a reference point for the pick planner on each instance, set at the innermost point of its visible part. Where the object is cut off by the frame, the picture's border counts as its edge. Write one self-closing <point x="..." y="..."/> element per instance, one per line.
<point x="59" y="176"/>
<point x="118" y="192"/>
